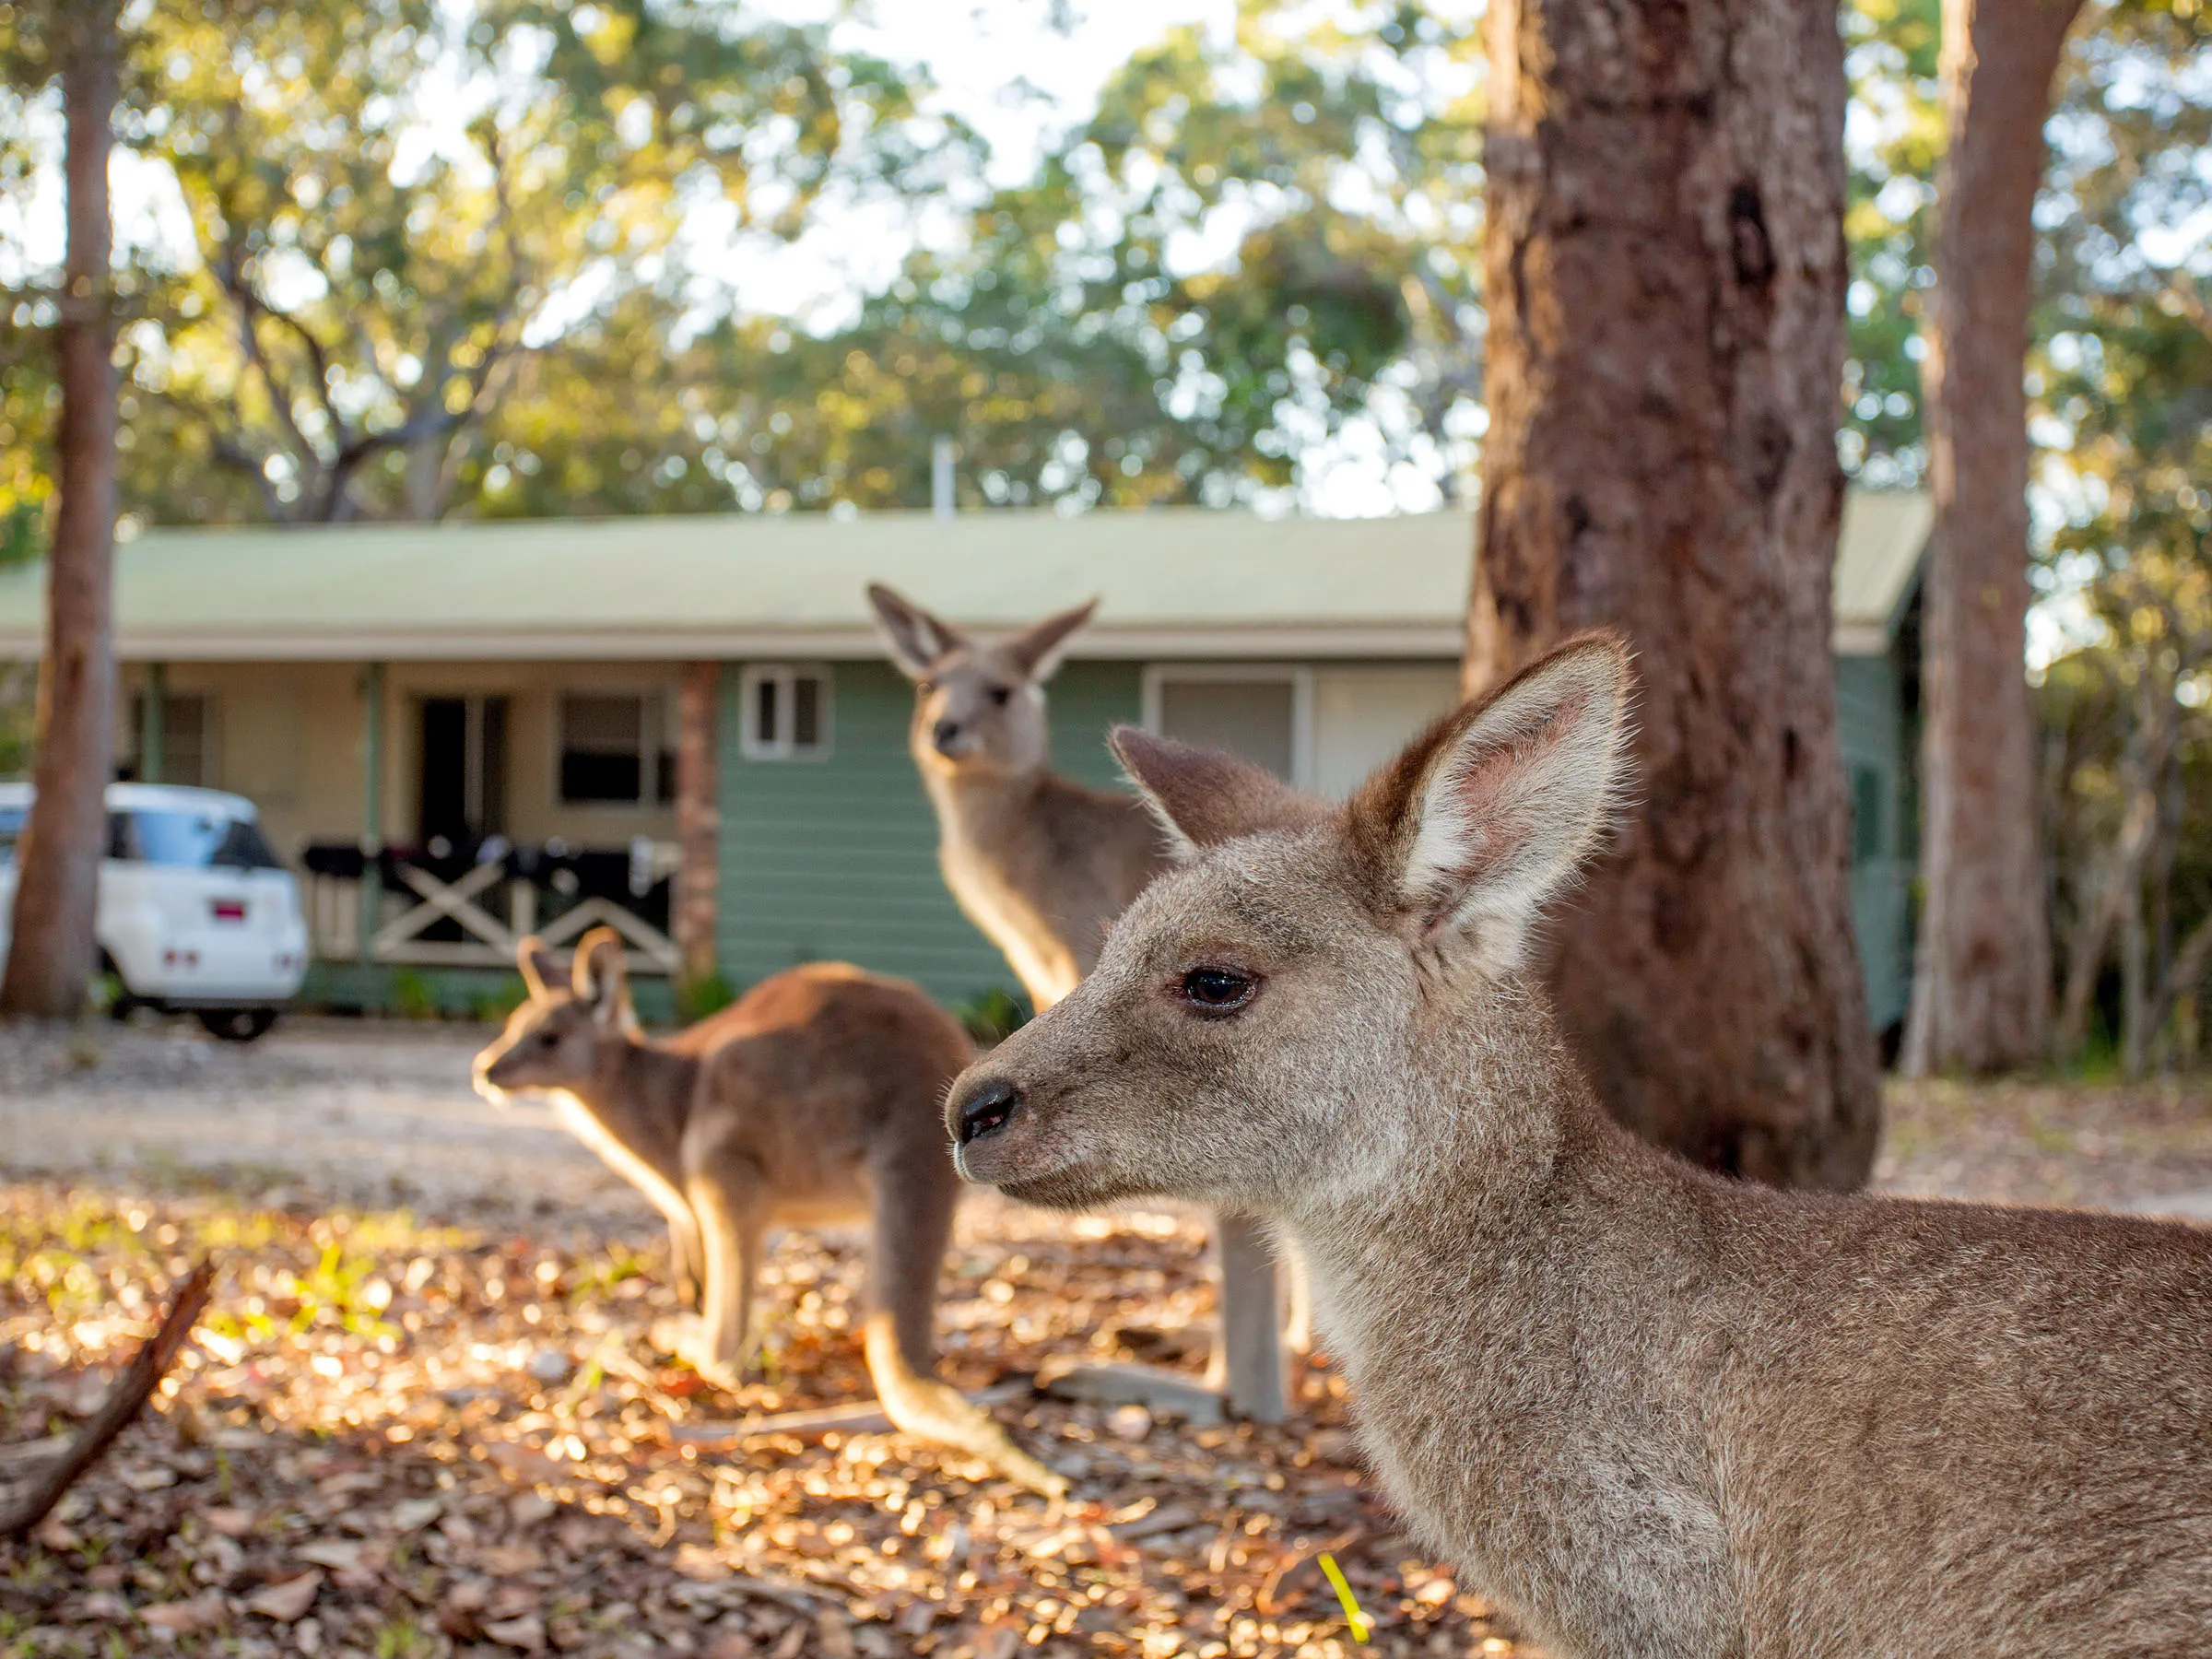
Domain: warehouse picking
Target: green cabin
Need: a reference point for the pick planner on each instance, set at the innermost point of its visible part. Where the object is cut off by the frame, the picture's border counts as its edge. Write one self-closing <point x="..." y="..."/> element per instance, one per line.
<point x="686" y="728"/>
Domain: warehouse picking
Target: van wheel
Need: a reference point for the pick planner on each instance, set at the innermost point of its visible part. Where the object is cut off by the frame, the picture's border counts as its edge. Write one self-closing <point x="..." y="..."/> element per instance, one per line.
<point x="237" y="1025"/>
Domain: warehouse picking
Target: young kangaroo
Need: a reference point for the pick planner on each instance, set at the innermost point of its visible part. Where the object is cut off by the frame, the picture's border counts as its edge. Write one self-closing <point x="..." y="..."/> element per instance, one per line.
<point x="1042" y="865"/>
<point x="815" y="1097"/>
<point x="1656" y="1413"/>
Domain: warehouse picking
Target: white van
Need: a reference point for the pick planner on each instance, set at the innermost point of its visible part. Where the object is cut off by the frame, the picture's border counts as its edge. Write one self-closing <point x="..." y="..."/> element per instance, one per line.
<point x="195" y="912"/>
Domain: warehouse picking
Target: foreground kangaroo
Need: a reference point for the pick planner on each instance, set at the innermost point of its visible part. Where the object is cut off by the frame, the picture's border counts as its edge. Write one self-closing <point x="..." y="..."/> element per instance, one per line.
<point x="815" y="1097"/>
<point x="1042" y="865"/>
<point x="1656" y="1413"/>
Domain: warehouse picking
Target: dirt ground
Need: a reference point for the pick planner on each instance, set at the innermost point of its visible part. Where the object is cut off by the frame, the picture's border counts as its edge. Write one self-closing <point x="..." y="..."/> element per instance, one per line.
<point x="424" y="1416"/>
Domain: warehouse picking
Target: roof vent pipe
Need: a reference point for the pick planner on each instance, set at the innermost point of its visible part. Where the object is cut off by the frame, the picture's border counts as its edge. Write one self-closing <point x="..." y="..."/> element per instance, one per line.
<point x="941" y="455"/>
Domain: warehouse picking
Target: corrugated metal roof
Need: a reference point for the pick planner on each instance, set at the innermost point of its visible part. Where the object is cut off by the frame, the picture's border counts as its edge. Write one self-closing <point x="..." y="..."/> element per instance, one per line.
<point x="1174" y="583"/>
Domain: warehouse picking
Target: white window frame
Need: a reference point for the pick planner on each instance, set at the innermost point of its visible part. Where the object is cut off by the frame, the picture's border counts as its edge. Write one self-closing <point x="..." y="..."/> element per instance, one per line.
<point x="783" y="676"/>
<point x="1299" y="677"/>
<point x="652" y="693"/>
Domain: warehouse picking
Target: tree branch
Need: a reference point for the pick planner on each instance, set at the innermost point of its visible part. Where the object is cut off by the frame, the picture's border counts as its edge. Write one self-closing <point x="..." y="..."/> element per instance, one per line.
<point x="125" y="1399"/>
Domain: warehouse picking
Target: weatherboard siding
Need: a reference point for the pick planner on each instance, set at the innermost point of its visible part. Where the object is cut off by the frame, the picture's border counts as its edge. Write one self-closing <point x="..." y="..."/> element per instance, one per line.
<point x="1870" y="724"/>
<point x="836" y="858"/>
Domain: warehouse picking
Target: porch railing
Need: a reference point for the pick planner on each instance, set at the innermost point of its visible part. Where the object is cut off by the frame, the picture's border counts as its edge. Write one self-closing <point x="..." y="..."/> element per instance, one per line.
<point x="449" y="907"/>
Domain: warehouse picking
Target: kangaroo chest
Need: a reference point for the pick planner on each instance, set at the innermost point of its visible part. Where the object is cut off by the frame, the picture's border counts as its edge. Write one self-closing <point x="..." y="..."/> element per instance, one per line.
<point x="1526" y="1454"/>
<point x="625" y="1161"/>
<point x="1013" y="920"/>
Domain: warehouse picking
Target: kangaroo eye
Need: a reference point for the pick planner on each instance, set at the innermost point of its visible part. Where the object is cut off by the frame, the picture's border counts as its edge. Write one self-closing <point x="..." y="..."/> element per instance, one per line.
<point x="1217" y="990"/>
<point x="1000" y="693"/>
<point x="546" y="1040"/>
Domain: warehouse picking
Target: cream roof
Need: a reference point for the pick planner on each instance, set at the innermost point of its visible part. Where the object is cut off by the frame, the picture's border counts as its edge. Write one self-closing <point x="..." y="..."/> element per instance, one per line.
<point x="1174" y="583"/>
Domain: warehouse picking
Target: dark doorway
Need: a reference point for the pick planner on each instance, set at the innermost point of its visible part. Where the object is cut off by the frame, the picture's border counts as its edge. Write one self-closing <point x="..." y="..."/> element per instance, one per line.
<point x="462" y="793"/>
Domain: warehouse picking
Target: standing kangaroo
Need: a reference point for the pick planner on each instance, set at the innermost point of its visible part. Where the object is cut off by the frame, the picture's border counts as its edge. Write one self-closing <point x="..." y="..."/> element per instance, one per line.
<point x="1042" y="865"/>
<point x="815" y="1097"/>
<point x="1660" y="1414"/>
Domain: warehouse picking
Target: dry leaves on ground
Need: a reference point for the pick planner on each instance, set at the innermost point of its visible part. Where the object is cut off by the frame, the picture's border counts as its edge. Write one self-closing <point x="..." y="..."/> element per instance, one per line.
<point x="2144" y="1147"/>
<point x="397" y="1441"/>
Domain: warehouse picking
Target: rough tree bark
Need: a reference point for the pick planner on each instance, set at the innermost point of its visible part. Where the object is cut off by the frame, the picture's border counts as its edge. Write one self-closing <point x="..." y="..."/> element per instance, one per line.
<point x="1663" y="267"/>
<point x="53" y="953"/>
<point x="1981" y="981"/>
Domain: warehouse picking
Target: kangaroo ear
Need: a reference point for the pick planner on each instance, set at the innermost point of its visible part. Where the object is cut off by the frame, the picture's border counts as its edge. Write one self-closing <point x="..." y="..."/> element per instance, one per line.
<point x="601" y="977"/>
<point x="1037" y="649"/>
<point x="1493" y="809"/>
<point x="917" y="640"/>
<point x="539" y="967"/>
<point x="1202" y="798"/>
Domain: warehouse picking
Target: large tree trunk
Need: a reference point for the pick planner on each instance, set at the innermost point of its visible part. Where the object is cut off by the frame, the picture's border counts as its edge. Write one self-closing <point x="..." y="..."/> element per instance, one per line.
<point x="50" y="960"/>
<point x="1981" y="983"/>
<point x="1663" y="268"/>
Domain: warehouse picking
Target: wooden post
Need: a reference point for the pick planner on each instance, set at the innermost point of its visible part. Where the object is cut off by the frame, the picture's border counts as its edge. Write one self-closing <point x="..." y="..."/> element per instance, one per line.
<point x="153" y="724"/>
<point x="372" y="804"/>
<point x="695" y="910"/>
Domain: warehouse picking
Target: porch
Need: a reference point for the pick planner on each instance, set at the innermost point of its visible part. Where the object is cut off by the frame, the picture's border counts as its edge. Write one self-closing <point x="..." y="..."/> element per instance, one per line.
<point x="487" y="801"/>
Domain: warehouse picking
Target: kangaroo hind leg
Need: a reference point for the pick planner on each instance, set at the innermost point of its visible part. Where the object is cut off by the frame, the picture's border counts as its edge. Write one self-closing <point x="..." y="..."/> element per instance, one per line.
<point x="913" y="1227"/>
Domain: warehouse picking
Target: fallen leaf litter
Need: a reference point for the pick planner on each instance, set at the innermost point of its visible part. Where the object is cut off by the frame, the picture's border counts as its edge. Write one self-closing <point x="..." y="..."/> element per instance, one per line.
<point x="402" y="1439"/>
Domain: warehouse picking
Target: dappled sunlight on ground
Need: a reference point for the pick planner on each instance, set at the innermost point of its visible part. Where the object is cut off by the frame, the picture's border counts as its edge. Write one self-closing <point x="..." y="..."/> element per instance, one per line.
<point x="444" y="1430"/>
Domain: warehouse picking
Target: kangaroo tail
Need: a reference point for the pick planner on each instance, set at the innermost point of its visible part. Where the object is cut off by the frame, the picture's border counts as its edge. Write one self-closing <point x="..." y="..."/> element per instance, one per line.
<point x="933" y="1410"/>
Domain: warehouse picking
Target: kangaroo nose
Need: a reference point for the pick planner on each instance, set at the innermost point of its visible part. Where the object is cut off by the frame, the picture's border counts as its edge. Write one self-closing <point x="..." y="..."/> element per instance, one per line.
<point x="944" y="732"/>
<point x="987" y="1109"/>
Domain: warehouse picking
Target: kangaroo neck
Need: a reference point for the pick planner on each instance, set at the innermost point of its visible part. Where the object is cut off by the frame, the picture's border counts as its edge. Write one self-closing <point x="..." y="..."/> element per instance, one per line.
<point x="640" y="1098"/>
<point x="1507" y="1177"/>
<point x="986" y="810"/>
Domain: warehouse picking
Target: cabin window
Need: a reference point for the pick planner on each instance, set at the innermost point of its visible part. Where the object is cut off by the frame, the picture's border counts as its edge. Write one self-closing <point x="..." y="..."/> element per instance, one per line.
<point x="1868" y="840"/>
<point x="785" y="713"/>
<point x="184" y="746"/>
<point x="616" y="750"/>
<point x="1263" y="714"/>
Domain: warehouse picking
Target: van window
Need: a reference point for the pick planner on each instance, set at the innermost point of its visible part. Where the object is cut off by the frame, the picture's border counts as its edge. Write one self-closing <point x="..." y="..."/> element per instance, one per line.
<point x="196" y="841"/>
<point x="11" y="829"/>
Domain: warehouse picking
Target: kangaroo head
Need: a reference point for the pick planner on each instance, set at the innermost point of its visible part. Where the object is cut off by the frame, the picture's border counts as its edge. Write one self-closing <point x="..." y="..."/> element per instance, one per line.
<point x="558" y="1039"/>
<point x="979" y="707"/>
<point x="1257" y="1032"/>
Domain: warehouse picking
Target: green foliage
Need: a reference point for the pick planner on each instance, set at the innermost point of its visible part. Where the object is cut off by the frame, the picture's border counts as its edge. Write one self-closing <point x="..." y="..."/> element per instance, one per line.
<point x="369" y="285"/>
<point x="2121" y="375"/>
<point x="1081" y="351"/>
<point x="1251" y="243"/>
<point x="993" y="1016"/>
<point x="492" y="1007"/>
<point x="411" y="995"/>
<point x="1894" y="139"/>
<point x="696" y="998"/>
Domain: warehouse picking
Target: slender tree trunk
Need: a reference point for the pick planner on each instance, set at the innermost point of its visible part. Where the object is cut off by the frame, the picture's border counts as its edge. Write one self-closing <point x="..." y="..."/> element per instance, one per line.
<point x="50" y="960"/>
<point x="1663" y="266"/>
<point x="698" y="821"/>
<point x="2135" y="986"/>
<point x="1981" y="982"/>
